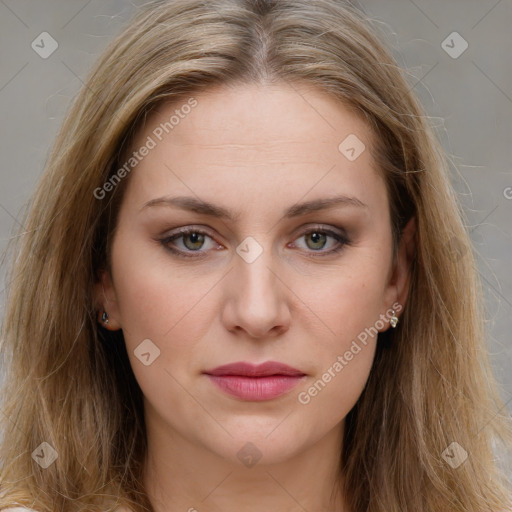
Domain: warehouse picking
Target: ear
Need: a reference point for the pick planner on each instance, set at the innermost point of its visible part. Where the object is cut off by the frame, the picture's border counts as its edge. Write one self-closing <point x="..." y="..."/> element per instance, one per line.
<point x="398" y="285"/>
<point x="105" y="299"/>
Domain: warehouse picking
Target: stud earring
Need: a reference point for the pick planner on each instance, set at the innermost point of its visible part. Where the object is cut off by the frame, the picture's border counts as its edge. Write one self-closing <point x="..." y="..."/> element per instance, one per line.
<point x="394" y="319"/>
<point x="104" y="318"/>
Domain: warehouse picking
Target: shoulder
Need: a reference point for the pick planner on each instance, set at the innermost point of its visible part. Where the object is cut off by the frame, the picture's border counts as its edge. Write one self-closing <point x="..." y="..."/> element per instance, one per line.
<point x="18" y="509"/>
<point x="25" y="509"/>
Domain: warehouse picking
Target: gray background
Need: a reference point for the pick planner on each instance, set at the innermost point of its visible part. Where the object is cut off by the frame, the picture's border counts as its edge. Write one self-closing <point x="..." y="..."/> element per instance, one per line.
<point x="469" y="99"/>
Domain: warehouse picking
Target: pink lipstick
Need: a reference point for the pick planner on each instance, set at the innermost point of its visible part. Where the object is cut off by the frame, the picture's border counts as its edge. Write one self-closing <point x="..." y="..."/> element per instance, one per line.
<point x="255" y="382"/>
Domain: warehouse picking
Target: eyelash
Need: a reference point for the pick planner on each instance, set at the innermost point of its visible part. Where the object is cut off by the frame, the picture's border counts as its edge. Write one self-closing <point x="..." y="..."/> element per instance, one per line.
<point x="341" y="239"/>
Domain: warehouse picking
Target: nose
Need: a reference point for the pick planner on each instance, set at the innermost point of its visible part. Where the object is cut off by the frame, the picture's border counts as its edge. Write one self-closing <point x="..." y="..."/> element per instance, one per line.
<point x="257" y="298"/>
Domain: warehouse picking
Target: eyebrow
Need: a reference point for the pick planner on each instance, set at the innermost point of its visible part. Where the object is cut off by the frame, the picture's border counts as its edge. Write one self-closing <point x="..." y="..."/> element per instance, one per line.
<point x="193" y="204"/>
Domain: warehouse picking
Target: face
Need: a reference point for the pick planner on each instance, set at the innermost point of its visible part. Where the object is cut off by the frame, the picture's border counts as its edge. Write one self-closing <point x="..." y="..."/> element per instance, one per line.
<point x="290" y="261"/>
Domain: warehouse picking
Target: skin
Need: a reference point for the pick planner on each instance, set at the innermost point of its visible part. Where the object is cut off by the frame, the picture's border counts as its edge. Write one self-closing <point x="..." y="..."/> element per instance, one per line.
<point x="256" y="150"/>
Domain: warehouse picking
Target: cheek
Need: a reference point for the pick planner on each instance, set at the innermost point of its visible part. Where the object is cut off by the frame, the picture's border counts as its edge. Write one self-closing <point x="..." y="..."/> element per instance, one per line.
<point x="154" y="297"/>
<point x="341" y="313"/>
<point x="327" y="398"/>
<point x="342" y="302"/>
<point x="169" y="308"/>
<point x="171" y="305"/>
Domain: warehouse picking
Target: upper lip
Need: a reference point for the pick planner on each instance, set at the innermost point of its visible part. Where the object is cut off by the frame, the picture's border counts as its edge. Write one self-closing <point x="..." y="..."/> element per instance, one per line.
<point x="258" y="370"/>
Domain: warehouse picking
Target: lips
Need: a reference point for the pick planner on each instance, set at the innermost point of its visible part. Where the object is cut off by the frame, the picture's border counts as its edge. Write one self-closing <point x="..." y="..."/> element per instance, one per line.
<point x="260" y="370"/>
<point x="255" y="382"/>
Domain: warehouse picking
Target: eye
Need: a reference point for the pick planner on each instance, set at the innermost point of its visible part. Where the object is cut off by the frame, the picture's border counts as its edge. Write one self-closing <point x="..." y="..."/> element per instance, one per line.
<point x="317" y="239"/>
<point x="192" y="240"/>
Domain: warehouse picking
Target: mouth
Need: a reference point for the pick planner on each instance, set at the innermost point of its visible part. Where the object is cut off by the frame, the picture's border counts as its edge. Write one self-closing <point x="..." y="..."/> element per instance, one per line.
<point x="255" y="382"/>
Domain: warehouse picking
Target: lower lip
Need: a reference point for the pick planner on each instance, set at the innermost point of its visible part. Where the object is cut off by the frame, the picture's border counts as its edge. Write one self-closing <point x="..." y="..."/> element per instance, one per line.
<point x="256" y="389"/>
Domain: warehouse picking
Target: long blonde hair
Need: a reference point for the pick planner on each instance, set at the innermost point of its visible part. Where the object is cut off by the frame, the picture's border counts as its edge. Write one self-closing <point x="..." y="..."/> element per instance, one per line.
<point x="69" y="383"/>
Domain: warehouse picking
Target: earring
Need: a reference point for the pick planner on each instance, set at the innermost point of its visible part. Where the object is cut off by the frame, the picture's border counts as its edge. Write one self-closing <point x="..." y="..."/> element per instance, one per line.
<point x="104" y="318"/>
<point x="394" y="319"/>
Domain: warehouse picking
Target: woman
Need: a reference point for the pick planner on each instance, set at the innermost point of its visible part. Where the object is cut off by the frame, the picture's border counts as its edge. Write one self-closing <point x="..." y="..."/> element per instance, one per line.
<point x="238" y="286"/>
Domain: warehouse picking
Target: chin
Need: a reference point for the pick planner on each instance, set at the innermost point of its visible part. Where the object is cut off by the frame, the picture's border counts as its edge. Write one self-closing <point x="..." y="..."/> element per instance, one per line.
<point x="270" y="445"/>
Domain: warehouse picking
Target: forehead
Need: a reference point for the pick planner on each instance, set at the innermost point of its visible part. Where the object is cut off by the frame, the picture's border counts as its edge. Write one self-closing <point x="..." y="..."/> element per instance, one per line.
<point x="255" y="115"/>
<point x="247" y="141"/>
